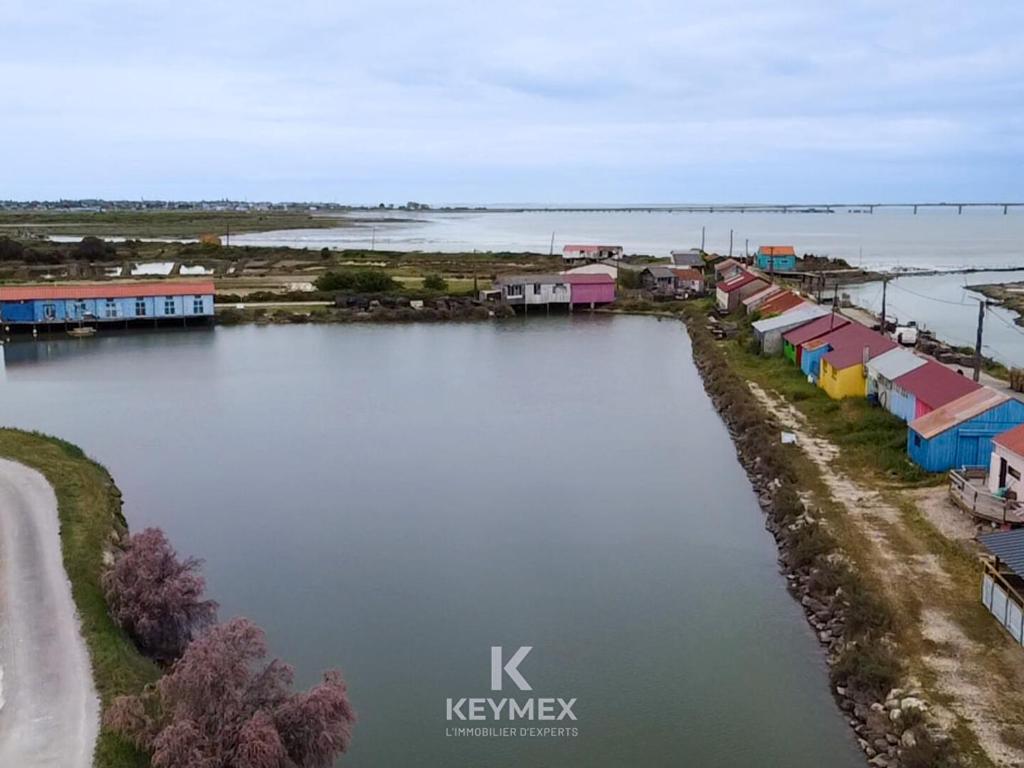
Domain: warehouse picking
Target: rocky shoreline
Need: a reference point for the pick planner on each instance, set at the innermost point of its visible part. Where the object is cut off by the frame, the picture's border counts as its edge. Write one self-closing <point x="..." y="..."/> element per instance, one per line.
<point x="1007" y="295"/>
<point x="888" y="713"/>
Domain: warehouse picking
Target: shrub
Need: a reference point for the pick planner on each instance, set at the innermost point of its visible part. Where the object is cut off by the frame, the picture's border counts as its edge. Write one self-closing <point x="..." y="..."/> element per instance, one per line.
<point x="870" y="667"/>
<point x="93" y="248"/>
<point x="156" y="597"/>
<point x="11" y="250"/>
<point x="927" y="754"/>
<point x="865" y="610"/>
<point x="807" y="544"/>
<point x="628" y="279"/>
<point x="218" y="707"/>
<point x="359" y="280"/>
<point x="435" y="283"/>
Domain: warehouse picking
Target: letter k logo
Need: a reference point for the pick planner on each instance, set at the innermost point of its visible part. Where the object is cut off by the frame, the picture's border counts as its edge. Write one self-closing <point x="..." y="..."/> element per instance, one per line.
<point x="511" y="668"/>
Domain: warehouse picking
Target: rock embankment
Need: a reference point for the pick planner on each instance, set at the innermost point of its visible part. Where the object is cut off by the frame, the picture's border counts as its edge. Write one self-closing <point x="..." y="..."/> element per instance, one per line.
<point x="851" y="619"/>
<point x="369" y="310"/>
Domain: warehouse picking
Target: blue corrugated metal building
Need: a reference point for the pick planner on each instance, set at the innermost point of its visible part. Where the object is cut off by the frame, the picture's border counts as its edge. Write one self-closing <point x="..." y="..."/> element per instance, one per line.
<point x="959" y="434"/>
<point x="99" y="303"/>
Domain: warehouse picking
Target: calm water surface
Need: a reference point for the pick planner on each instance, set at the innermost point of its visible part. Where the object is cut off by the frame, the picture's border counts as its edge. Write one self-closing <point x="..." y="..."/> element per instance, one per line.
<point x="395" y="500"/>
<point x="946" y="305"/>
<point x="887" y="239"/>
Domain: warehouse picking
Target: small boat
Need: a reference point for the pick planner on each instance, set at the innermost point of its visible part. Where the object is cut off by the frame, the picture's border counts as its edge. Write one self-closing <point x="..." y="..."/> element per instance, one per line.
<point x="82" y="331"/>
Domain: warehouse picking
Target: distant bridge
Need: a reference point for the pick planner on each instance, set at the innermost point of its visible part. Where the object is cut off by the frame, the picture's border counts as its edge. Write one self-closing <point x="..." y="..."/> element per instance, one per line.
<point x="772" y="208"/>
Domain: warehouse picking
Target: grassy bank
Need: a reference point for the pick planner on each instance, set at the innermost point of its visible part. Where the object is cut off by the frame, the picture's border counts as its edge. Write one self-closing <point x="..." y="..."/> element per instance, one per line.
<point x="873" y="441"/>
<point x="184" y="224"/>
<point x="90" y="518"/>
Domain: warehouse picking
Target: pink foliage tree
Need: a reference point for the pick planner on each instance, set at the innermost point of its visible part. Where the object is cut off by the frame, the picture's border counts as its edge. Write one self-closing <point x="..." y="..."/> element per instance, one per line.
<point x="156" y="597"/>
<point x="220" y="707"/>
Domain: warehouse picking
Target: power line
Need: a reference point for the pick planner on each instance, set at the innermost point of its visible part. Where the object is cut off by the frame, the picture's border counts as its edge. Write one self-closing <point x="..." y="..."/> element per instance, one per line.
<point x="955" y="338"/>
<point x="929" y="298"/>
<point x="1008" y="323"/>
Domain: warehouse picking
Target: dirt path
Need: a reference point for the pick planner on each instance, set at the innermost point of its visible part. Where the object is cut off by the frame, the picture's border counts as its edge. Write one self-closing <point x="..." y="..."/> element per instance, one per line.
<point x="50" y="711"/>
<point x="960" y="670"/>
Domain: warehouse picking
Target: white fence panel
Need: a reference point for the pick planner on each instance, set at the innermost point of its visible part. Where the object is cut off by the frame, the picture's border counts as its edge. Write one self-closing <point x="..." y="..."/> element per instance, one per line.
<point x="999" y="604"/>
<point x="1015" y="621"/>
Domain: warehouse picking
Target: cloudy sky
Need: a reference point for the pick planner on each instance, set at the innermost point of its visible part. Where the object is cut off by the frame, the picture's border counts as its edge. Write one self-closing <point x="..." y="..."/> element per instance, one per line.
<point x="542" y="101"/>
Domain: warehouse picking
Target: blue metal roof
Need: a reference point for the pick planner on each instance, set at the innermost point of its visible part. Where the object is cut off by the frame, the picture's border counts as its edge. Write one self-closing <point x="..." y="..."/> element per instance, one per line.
<point x="1008" y="546"/>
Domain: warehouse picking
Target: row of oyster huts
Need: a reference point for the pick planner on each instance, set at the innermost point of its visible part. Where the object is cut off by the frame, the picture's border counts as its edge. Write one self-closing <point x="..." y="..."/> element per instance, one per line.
<point x="954" y="424"/>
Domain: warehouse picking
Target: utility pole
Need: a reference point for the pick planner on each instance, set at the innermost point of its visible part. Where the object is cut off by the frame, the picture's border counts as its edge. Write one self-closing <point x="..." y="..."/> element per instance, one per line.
<point x="227" y="236"/>
<point x="977" y="344"/>
<point x="746" y="248"/>
<point x="730" y="243"/>
<point x="885" y="283"/>
<point x="551" y="250"/>
<point x="835" y="298"/>
<point x="373" y="238"/>
<point x="702" y="239"/>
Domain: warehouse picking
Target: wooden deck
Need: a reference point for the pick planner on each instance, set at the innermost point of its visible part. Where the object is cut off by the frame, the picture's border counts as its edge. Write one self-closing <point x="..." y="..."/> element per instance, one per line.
<point x="968" y="491"/>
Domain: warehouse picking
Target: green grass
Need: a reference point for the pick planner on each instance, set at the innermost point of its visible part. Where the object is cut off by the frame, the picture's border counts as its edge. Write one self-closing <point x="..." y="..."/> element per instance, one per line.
<point x="872" y="439"/>
<point x="90" y="517"/>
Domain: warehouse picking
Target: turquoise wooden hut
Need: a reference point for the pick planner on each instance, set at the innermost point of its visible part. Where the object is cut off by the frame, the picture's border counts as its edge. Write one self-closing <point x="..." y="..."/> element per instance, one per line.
<point x="959" y="434"/>
<point x="776" y="258"/>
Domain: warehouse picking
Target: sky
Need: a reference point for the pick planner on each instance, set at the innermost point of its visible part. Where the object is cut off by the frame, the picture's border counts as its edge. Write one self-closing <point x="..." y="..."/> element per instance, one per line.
<point x="475" y="101"/>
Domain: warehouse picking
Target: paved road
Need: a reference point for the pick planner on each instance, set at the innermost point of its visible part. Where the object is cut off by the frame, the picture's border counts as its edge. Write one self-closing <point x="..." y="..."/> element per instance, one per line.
<point x="50" y="711"/>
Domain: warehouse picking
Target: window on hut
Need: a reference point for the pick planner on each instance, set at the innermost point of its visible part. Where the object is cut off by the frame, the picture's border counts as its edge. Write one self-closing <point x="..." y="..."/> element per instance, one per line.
<point x="169" y="305"/>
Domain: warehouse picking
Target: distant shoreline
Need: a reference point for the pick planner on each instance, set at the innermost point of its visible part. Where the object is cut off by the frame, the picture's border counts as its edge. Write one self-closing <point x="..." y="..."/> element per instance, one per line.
<point x="1007" y="295"/>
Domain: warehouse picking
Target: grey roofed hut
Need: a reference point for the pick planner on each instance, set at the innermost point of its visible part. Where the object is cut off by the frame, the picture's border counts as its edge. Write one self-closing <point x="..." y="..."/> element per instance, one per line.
<point x="1002" y="584"/>
<point x="690" y="258"/>
<point x="769" y="331"/>
<point x="658" y="279"/>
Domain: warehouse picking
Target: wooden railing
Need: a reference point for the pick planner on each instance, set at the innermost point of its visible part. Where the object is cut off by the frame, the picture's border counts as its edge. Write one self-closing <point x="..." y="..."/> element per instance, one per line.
<point x="967" y="490"/>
